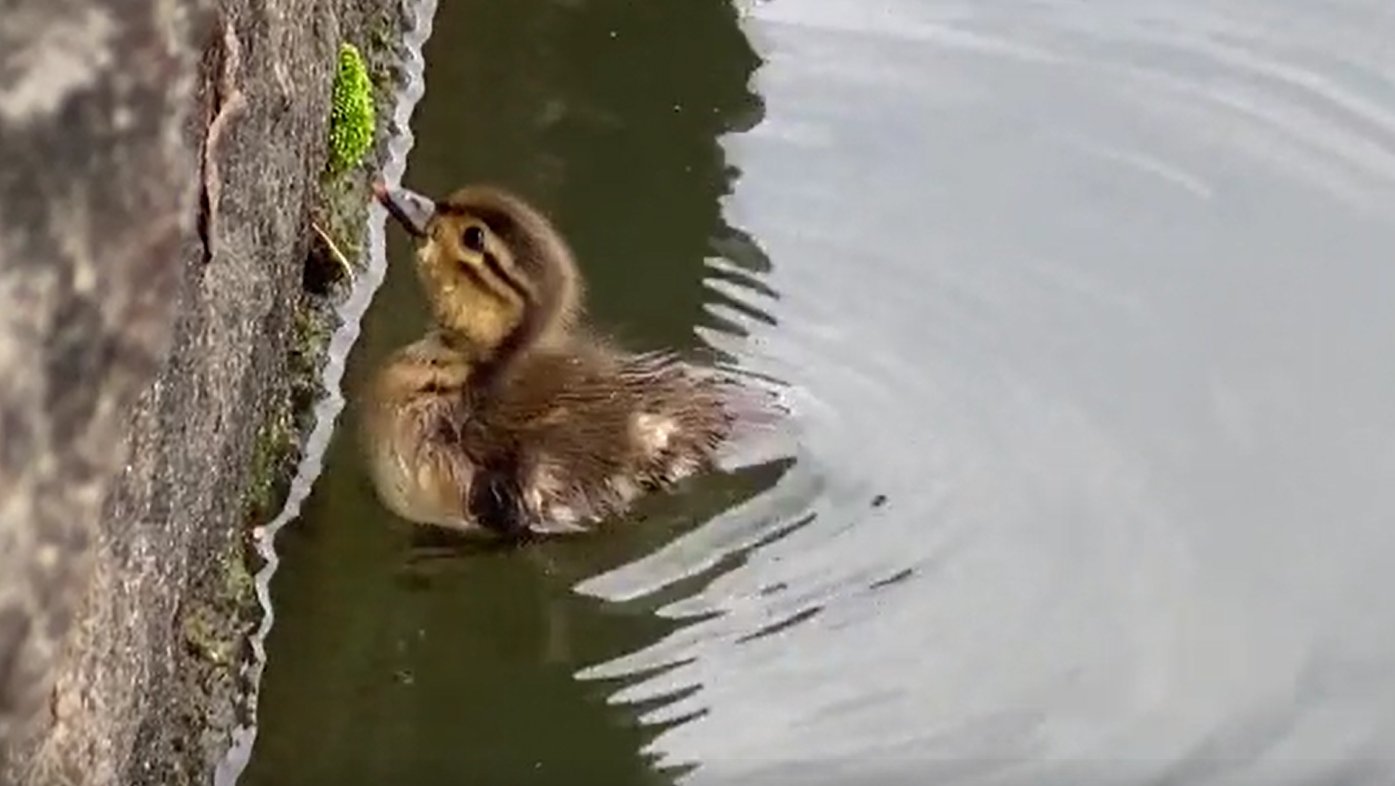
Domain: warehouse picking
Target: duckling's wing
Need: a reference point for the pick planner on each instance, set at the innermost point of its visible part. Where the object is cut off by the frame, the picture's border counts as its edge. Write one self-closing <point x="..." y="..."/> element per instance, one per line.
<point x="587" y="429"/>
<point x="584" y="430"/>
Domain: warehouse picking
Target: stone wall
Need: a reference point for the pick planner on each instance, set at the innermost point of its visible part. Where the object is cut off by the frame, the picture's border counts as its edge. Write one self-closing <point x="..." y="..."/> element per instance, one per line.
<point x="159" y="165"/>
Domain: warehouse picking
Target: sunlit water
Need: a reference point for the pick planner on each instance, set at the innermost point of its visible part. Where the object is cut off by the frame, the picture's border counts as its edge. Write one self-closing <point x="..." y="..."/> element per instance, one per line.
<point x="1085" y="313"/>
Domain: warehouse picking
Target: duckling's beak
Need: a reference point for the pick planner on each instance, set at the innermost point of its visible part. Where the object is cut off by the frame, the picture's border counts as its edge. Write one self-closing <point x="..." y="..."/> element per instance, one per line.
<point x="411" y="209"/>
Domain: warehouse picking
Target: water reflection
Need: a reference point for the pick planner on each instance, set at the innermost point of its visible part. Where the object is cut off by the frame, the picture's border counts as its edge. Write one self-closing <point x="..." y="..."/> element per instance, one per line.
<point x="1096" y="298"/>
<point x="382" y="668"/>
<point x="1085" y="311"/>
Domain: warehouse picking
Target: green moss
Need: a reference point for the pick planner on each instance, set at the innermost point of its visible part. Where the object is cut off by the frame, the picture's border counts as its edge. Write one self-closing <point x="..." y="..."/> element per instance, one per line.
<point x="239" y="586"/>
<point x="343" y="210"/>
<point x="352" y="119"/>
<point x="311" y="331"/>
<point x="214" y="625"/>
<point x="309" y="336"/>
<point x="271" y="454"/>
<point x="204" y="635"/>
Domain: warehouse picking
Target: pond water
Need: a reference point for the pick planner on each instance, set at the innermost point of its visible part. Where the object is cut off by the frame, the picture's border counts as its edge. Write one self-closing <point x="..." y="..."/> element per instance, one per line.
<point x="1085" y="315"/>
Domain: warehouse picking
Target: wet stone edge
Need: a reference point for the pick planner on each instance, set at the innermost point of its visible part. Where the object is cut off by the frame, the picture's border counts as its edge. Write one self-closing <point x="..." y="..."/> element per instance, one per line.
<point x="219" y="608"/>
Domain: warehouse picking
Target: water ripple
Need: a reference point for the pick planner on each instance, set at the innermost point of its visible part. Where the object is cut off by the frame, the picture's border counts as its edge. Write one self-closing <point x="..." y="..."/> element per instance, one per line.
<point x="1082" y="314"/>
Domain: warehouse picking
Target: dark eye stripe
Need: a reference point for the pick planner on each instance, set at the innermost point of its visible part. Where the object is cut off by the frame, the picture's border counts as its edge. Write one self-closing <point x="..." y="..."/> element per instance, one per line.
<point x="480" y="282"/>
<point x="492" y="262"/>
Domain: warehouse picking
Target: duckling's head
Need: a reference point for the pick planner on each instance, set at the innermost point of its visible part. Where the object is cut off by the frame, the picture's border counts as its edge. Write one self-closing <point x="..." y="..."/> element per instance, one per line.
<point x="498" y="275"/>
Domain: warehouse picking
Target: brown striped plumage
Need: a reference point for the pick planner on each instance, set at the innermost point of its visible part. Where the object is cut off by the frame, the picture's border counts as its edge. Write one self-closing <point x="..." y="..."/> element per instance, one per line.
<point x="510" y="416"/>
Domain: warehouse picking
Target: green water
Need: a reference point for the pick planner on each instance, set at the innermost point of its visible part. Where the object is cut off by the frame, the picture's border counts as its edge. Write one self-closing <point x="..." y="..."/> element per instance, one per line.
<point x="1083" y="314"/>
<point x="384" y="668"/>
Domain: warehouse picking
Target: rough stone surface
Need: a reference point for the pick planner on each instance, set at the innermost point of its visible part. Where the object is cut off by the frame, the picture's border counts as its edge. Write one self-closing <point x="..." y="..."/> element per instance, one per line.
<point x="159" y="161"/>
<point x="95" y="200"/>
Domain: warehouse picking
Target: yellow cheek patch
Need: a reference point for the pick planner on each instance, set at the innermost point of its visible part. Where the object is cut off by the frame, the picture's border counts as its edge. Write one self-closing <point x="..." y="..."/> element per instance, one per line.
<point x="427" y="251"/>
<point x="461" y="303"/>
<point x="481" y="316"/>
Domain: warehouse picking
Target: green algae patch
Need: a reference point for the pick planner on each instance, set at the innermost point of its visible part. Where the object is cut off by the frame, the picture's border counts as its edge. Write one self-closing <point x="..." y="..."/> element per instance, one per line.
<point x="352" y="119"/>
<point x="272" y="461"/>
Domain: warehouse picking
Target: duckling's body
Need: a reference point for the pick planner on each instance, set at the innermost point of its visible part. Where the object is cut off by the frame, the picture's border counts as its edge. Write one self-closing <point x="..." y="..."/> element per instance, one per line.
<point x="509" y="417"/>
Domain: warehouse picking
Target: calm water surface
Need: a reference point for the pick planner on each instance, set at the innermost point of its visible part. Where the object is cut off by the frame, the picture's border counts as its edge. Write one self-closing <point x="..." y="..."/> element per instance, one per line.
<point x="1085" y="313"/>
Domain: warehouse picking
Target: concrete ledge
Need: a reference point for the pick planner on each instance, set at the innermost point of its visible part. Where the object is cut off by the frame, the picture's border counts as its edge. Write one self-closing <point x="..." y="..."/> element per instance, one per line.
<point x="159" y="168"/>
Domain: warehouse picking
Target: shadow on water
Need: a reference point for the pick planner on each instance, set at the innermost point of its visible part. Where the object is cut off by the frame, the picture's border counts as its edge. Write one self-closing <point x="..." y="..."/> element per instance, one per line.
<point x="385" y="668"/>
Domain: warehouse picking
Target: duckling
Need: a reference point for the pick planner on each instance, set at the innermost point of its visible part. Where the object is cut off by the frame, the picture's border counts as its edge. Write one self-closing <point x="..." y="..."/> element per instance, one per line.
<point x="511" y="416"/>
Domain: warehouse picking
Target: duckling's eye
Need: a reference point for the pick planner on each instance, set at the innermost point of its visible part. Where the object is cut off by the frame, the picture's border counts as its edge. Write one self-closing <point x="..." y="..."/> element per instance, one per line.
<point x="473" y="238"/>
